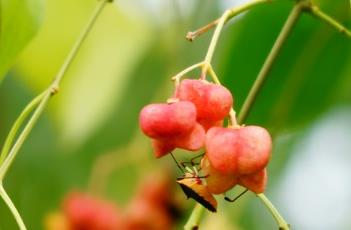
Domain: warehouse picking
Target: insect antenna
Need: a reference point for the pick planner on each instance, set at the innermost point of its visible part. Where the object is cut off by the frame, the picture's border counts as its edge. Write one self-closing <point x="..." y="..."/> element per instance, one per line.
<point x="192" y="161"/>
<point x="178" y="165"/>
<point x="196" y="157"/>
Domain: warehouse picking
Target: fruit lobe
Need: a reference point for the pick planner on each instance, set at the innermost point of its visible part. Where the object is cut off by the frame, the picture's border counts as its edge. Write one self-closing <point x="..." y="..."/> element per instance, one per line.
<point x="217" y="182"/>
<point x="221" y="145"/>
<point x="167" y="120"/>
<point x="213" y="102"/>
<point x="207" y="124"/>
<point x="255" y="182"/>
<point x="238" y="151"/>
<point x="191" y="141"/>
<point x="256" y="148"/>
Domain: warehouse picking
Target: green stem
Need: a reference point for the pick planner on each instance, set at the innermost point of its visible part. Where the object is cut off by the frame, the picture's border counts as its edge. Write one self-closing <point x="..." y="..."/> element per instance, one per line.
<point x="283" y="225"/>
<point x="213" y="44"/>
<point x="232" y="13"/>
<point x="179" y="75"/>
<point x="12" y="207"/>
<point x="195" y="217"/>
<point x="16" y="126"/>
<point x="23" y="136"/>
<point x="314" y="10"/>
<point x="79" y="43"/>
<point x="257" y="86"/>
<point x="42" y="100"/>
<point x="228" y="14"/>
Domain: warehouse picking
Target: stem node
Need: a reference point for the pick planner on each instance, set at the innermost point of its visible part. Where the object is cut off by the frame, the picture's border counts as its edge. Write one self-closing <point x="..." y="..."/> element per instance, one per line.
<point x="54" y="90"/>
<point x="190" y="36"/>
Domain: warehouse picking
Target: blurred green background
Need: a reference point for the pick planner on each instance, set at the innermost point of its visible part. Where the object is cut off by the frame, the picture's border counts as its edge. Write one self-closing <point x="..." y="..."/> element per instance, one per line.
<point x="88" y="138"/>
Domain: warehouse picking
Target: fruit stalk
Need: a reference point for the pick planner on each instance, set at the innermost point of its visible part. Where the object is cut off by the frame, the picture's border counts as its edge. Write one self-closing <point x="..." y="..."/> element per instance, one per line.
<point x="195" y="217"/>
<point x="213" y="44"/>
<point x="12" y="207"/>
<point x="176" y="78"/>
<point x="232" y="13"/>
<point x="283" y="225"/>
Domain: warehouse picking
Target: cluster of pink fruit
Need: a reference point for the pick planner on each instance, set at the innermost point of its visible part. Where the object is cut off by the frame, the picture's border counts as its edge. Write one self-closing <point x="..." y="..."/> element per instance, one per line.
<point x="152" y="207"/>
<point x="193" y="120"/>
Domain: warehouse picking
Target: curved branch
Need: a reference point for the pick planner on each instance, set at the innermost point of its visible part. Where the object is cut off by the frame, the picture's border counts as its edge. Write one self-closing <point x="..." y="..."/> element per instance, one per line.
<point x="12" y="207"/>
<point x="190" y="36"/>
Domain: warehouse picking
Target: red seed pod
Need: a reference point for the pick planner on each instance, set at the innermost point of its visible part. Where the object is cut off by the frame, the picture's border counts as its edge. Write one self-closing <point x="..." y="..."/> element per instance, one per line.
<point x="207" y="124"/>
<point x="221" y="150"/>
<point x="255" y="182"/>
<point x="162" y="147"/>
<point x="255" y="150"/>
<point x="168" y="120"/>
<point x="213" y="102"/>
<point x="238" y="151"/>
<point x="192" y="141"/>
<point x="88" y="213"/>
<point x="217" y="182"/>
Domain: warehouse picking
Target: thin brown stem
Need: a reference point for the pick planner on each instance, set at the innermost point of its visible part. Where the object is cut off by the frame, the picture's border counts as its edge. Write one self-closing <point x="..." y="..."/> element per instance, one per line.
<point x="192" y="35"/>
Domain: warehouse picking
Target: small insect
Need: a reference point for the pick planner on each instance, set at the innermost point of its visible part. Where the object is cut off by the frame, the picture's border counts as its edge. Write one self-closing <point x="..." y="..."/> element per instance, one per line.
<point x="193" y="187"/>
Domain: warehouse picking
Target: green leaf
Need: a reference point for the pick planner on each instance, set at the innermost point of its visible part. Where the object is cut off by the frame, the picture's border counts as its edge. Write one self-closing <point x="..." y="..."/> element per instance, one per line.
<point x="19" y="21"/>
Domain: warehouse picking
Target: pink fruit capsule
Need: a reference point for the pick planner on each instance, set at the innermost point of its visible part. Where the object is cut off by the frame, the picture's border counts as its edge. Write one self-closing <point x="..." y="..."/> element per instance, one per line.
<point x="217" y="182"/>
<point x="213" y="102"/>
<point x="256" y="148"/>
<point x="168" y="120"/>
<point x="191" y="141"/>
<point x="238" y="151"/>
<point x="207" y="124"/>
<point x="255" y="182"/>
